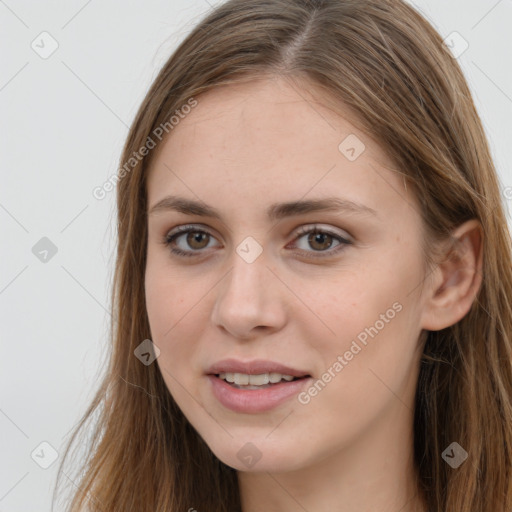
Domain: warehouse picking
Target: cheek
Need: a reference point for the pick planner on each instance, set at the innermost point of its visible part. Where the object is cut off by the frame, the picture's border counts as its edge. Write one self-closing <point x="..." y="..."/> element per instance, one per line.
<point x="170" y="298"/>
<point x="366" y="367"/>
<point x="374" y="316"/>
<point x="172" y="311"/>
<point x="173" y="326"/>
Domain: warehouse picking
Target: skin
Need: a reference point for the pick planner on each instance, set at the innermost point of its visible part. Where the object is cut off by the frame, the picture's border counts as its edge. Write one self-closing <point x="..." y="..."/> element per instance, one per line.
<point x="350" y="447"/>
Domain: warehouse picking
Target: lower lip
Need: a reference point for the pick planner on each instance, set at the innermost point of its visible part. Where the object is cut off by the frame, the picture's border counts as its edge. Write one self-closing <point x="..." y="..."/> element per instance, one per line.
<point x="255" y="400"/>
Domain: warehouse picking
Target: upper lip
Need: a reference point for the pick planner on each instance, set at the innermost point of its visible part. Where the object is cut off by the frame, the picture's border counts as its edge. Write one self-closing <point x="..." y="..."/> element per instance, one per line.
<point x="254" y="367"/>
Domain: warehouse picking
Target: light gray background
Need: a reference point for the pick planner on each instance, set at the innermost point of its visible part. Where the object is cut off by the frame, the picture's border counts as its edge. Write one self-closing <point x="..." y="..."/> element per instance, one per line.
<point x="64" y="120"/>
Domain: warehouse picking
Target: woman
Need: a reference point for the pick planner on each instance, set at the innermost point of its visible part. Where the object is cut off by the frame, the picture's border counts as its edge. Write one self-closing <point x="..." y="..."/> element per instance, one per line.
<point x="313" y="279"/>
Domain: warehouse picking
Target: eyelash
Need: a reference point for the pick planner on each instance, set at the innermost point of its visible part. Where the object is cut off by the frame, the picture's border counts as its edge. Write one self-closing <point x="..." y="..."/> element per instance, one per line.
<point x="169" y="239"/>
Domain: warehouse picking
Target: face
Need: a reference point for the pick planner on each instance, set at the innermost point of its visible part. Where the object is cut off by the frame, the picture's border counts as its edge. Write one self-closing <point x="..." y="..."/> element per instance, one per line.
<point x="257" y="288"/>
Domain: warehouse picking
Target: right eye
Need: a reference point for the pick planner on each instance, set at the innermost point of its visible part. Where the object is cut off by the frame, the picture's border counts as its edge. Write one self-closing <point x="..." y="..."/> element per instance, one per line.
<point x="195" y="240"/>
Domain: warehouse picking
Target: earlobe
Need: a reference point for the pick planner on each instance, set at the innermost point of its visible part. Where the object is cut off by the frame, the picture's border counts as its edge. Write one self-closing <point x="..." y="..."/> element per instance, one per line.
<point x="457" y="279"/>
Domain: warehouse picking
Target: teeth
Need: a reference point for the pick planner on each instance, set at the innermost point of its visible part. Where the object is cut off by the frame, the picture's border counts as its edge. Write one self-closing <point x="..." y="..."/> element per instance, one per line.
<point x="274" y="377"/>
<point x="255" y="380"/>
<point x="243" y="379"/>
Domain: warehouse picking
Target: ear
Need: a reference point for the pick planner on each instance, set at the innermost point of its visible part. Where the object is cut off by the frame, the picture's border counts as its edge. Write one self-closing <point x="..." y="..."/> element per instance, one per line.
<point x="456" y="279"/>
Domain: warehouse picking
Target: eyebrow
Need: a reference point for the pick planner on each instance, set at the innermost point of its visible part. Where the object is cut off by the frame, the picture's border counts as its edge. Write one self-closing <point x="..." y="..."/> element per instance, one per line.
<point x="275" y="211"/>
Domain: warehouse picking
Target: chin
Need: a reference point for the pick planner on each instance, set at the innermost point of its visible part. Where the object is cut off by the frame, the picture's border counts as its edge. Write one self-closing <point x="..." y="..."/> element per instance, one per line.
<point x="260" y="455"/>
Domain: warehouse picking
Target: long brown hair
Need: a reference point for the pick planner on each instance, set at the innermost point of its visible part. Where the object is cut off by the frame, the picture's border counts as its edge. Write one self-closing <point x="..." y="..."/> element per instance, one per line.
<point x="387" y="63"/>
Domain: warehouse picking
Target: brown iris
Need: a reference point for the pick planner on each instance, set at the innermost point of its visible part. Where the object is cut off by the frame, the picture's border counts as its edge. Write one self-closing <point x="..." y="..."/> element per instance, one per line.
<point x="321" y="238"/>
<point x="197" y="237"/>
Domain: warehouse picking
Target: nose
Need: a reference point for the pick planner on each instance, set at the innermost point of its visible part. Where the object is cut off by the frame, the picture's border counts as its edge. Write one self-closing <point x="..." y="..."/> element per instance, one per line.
<point x="250" y="300"/>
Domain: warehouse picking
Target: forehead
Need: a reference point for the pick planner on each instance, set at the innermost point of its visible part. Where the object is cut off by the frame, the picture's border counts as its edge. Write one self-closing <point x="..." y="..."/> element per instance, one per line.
<point x="266" y="141"/>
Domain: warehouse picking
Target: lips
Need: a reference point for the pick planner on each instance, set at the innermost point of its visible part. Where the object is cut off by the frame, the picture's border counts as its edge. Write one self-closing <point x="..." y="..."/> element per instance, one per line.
<point x="254" y="367"/>
<point x="243" y="399"/>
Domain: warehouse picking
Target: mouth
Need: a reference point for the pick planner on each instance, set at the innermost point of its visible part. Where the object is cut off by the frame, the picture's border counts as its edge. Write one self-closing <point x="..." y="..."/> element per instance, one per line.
<point x="255" y="386"/>
<point x="259" y="381"/>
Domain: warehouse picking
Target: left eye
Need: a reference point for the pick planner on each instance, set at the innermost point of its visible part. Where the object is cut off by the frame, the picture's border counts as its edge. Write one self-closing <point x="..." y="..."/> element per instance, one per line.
<point x="318" y="239"/>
